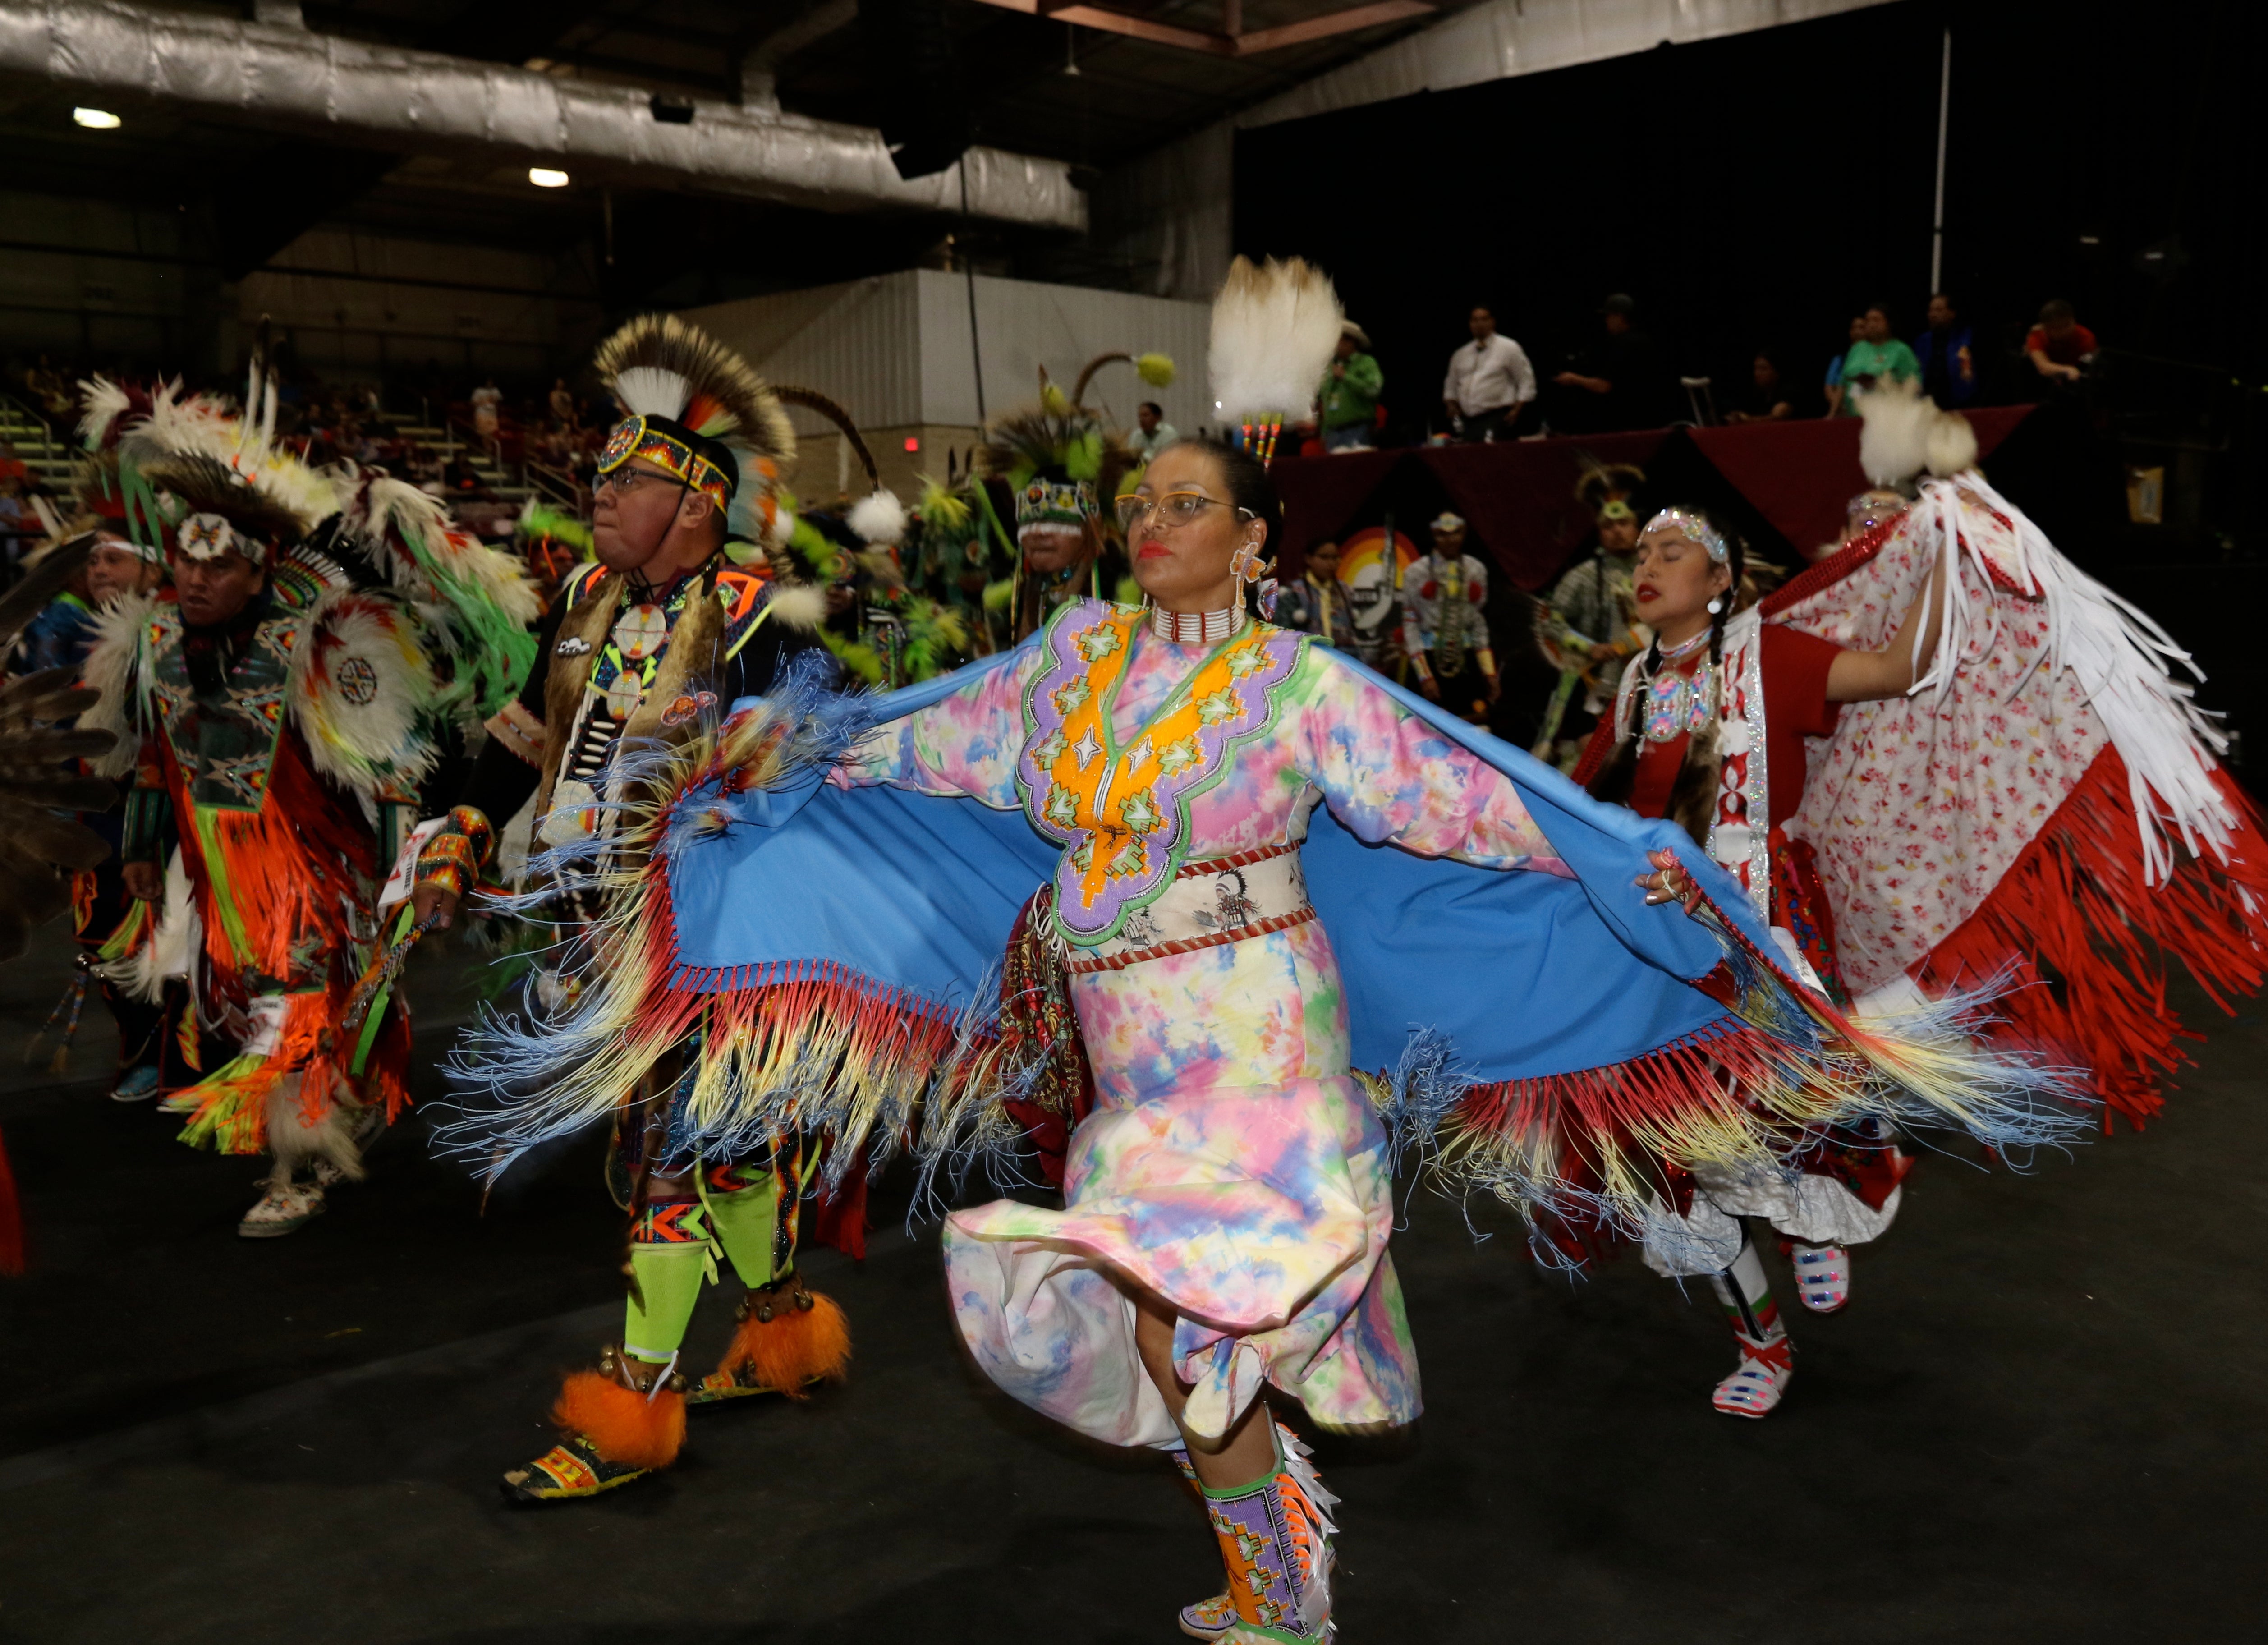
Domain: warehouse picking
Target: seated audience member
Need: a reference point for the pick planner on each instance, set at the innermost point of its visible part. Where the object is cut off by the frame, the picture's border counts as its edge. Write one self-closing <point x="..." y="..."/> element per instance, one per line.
<point x="1316" y="602"/>
<point x="1877" y="356"/>
<point x="1767" y="399"/>
<point x="1947" y="355"/>
<point x="2059" y="347"/>
<point x="1347" y="403"/>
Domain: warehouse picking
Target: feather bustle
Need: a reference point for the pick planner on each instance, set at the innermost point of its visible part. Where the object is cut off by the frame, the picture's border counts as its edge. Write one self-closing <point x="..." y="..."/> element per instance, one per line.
<point x="1275" y="326"/>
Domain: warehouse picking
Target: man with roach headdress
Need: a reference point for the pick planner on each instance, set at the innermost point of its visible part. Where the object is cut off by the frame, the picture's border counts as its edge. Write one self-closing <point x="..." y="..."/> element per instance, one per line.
<point x="680" y="615"/>
<point x="1062" y="469"/>
<point x="276" y="715"/>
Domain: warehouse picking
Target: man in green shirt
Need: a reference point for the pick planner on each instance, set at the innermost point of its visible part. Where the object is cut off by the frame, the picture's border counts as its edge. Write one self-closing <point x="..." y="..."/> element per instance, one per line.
<point x="1876" y="356"/>
<point x="1349" y="394"/>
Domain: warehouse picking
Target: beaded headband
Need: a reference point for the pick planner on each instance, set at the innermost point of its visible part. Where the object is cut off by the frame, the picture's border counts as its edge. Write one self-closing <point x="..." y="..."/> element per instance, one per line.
<point x="1044" y="502"/>
<point x="1711" y="540"/>
<point x="670" y="447"/>
<point x="209" y="536"/>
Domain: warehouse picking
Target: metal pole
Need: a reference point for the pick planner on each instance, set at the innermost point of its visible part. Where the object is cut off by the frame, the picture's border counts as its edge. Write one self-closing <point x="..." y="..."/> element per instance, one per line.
<point x="1944" y="110"/>
<point x="968" y="268"/>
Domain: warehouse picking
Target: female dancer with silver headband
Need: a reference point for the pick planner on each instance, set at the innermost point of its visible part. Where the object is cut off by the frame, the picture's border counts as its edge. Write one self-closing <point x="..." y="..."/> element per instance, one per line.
<point x="1708" y="731"/>
<point x="1943" y="757"/>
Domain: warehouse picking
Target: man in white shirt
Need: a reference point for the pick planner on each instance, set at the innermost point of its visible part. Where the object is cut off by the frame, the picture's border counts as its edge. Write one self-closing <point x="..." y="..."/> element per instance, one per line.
<point x="1489" y="382"/>
<point x="1152" y="433"/>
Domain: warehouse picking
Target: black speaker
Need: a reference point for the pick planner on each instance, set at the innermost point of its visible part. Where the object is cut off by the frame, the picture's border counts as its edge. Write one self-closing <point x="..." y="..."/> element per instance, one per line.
<point x="925" y="114"/>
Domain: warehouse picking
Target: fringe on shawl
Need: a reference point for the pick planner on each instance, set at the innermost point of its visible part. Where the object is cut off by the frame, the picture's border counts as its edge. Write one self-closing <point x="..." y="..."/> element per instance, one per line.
<point x="817" y="1047"/>
<point x="1597" y="1148"/>
<point x="2089" y="935"/>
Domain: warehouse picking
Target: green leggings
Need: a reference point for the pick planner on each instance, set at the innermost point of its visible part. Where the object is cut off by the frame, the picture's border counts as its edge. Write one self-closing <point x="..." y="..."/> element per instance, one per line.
<point x="673" y="1245"/>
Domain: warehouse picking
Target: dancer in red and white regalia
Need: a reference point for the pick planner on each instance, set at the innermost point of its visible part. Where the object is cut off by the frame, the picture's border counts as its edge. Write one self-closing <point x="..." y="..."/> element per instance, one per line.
<point x="2039" y="809"/>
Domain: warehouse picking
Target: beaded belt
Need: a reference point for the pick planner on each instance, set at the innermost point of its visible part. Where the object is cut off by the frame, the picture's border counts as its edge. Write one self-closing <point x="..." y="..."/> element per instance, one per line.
<point x="1225" y="899"/>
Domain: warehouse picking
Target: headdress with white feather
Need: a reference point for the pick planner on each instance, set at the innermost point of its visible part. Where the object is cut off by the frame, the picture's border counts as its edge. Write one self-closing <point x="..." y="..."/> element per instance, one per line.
<point x="1274" y="329"/>
<point x="1904" y="433"/>
<point x="233" y="466"/>
<point x="697" y="409"/>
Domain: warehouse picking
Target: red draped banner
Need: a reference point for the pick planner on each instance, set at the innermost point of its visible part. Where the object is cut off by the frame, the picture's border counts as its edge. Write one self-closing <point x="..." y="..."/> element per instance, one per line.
<point x="1517" y="497"/>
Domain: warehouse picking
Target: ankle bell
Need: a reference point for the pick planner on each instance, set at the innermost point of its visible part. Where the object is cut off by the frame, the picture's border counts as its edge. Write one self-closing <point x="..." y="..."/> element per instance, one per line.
<point x="762" y="1301"/>
<point x="621" y="1368"/>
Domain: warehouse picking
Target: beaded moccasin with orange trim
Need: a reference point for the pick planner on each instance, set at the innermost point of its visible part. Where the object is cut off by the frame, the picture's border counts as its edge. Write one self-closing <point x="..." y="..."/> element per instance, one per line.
<point x="612" y="1434"/>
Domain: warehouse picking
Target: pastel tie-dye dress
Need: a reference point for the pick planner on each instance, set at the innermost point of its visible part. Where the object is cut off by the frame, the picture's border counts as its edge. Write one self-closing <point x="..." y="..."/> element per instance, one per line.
<point x="1232" y="1165"/>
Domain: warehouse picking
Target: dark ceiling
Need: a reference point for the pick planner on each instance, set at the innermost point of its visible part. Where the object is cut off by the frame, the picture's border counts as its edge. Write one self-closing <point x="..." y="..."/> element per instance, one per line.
<point x="1128" y="97"/>
<point x="242" y="194"/>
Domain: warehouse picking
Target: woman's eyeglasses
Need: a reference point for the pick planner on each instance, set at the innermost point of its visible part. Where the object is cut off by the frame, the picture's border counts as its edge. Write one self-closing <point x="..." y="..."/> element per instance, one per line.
<point x="1171" y="512"/>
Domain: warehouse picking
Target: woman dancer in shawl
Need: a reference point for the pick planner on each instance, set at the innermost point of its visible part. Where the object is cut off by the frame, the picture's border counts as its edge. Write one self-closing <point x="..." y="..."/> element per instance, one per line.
<point x="1708" y="672"/>
<point x="1233" y="1187"/>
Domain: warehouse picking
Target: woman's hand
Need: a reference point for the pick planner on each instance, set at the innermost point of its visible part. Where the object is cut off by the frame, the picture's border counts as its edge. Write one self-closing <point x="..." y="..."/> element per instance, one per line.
<point x="1669" y="882"/>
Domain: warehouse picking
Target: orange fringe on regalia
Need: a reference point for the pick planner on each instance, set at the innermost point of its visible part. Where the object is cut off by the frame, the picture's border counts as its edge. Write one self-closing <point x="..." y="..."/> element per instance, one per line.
<point x="272" y="889"/>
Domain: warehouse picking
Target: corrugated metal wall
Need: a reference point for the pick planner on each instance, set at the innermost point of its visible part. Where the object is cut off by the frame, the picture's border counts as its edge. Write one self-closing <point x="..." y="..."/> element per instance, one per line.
<point x="894" y="350"/>
<point x="858" y="342"/>
<point x="1024" y="324"/>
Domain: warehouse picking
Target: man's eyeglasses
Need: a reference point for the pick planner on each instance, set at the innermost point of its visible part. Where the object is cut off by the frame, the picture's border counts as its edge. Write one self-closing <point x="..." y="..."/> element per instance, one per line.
<point x="1171" y="512"/>
<point x="624" y="480"/>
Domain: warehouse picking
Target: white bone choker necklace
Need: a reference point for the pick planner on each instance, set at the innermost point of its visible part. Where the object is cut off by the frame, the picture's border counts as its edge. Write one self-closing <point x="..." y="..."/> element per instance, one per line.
<point x="1195" y="628"/>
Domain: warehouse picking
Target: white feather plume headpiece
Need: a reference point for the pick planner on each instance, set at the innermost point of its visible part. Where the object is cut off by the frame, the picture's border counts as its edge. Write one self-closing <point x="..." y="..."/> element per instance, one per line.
<point x="1904" y="433"/>
<point x="1274" y="329"/>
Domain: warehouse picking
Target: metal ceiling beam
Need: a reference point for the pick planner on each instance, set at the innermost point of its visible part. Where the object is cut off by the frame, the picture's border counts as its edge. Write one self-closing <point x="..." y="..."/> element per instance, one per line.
<point x="345" y="91"/>
<point x="1233" y="41"/>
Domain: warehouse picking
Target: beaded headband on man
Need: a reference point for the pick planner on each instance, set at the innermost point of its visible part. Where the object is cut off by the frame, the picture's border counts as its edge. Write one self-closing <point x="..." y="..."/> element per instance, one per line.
<point x="1711" y="540"/>
<point x="209" y="536"/>
<point x="672" y="448"/>
<point x="1054" y="502"/>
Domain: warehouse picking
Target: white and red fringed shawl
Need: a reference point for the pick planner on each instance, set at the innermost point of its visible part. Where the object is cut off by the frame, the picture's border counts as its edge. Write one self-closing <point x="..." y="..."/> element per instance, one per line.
<point x="2046" y="796"/>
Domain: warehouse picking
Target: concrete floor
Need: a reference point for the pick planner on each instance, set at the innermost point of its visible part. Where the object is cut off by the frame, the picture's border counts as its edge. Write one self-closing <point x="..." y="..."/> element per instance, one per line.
<point x="2042" y="1420"/>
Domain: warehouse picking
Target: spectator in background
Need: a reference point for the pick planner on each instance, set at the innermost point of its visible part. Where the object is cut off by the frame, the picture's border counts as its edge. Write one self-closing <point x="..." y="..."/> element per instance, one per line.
<point x="52" y="389"/>
<point x="1348" y="399"/>
<point x="488" y="400"/>
<point x="2060" y="347"/>
<point x="1833" y="386"/>
<point x="1152" y="433"/>
<point x="1621" y="375"/>
<point x="1877" y="356"/>
<point x="1445" y="631"/>
<point x="1767" y="399"/>
<point x="19" y="522"/>
<point x="1317" y="604"/>
<point x="562" y="405"/>
<point x="1947" y="355"/>
<point x="1489" y="382"/>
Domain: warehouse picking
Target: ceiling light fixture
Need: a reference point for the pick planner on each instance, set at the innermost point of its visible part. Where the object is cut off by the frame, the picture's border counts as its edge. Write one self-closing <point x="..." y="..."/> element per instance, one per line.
<point x="543" y="177"/>
<point x="97" y="119"/>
